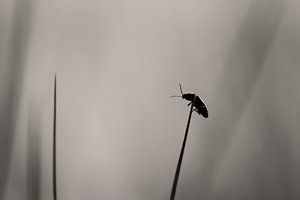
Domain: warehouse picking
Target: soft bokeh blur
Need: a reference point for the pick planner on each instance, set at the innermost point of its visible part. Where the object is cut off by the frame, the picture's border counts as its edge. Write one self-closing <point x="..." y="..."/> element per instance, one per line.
<point x="119" y="134"/>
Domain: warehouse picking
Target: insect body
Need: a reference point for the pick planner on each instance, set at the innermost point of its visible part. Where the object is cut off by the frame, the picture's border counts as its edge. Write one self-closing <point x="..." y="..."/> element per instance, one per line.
<point x="199" y="106"/>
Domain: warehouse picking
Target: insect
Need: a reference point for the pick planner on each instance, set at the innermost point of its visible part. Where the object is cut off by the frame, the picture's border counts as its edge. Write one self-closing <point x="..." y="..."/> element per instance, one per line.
<point x="199" y="106"/>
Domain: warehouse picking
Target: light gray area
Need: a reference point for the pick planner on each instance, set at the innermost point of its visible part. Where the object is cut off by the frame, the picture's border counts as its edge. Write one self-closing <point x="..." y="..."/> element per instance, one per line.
<point x="119" y="133"/>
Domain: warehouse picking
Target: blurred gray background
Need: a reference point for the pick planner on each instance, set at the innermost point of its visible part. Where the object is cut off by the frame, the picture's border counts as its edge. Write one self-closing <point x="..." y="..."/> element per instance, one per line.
<point x="119" y="133"/>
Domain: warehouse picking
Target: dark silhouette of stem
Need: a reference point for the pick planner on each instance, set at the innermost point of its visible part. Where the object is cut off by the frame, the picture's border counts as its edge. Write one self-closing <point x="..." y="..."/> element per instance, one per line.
<point x="54" y="144"/>
<point x="173" y="193"/>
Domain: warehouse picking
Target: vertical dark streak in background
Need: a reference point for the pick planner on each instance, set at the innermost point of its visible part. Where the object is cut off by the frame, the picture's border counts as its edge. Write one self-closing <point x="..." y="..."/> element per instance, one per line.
<point x="246" y="59"/>
<point x="33" y="154"/>
<point x="9" y="100"/>
<point x="277" y="152"/>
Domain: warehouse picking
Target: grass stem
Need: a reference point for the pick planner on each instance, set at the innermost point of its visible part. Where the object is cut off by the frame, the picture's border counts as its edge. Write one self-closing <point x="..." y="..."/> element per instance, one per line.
<point x="54" y="145"/>
<point x="173" y="193"/>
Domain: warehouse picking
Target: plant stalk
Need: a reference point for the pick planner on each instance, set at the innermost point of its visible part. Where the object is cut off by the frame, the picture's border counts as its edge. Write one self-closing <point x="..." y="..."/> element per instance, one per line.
<point x="54" y="145"/>
<point x="176" y="177"/>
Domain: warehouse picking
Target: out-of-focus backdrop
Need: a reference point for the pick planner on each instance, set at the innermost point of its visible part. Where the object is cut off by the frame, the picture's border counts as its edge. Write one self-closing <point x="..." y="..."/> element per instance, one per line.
<point x="119" y="134"/>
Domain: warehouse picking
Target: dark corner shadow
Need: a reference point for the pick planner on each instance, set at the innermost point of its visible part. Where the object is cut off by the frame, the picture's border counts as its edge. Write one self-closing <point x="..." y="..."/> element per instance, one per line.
<point x="245" y="61"/>
<point x="21" y="24"/>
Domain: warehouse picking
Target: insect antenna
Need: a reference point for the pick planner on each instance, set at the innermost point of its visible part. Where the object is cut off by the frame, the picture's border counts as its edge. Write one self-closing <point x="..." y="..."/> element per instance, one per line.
<point x="175" y="96"/>
<point x="180" y="89"/>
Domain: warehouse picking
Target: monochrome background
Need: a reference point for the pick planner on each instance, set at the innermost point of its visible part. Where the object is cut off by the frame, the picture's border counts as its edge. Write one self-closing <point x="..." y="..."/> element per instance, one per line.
<point x="118" y="132"/>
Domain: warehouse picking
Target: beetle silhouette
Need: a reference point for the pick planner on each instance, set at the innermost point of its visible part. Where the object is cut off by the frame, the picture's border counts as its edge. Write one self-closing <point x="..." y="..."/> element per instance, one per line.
<point x="199" y="106"/>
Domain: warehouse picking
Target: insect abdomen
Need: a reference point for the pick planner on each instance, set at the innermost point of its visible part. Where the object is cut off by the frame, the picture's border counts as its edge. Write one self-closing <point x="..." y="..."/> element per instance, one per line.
<point x="203" y="111"/>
